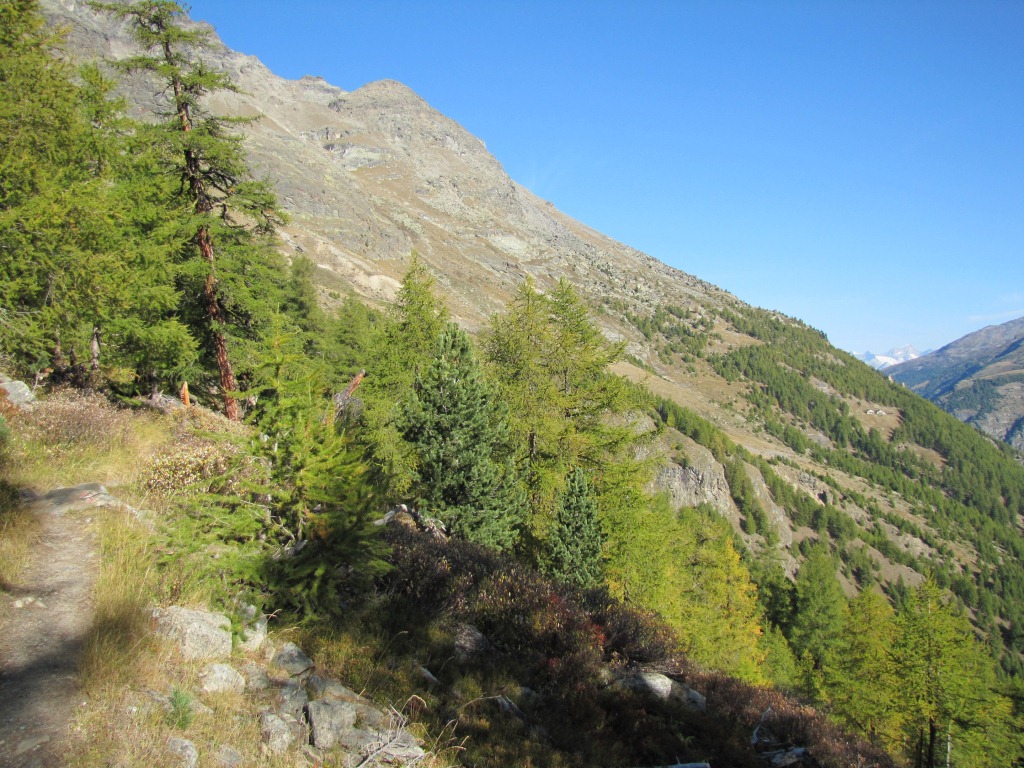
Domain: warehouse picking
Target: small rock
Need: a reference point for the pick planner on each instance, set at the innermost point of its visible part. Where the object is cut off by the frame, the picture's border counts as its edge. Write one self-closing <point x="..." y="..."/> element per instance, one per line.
<point x="221" y="678"/>
<point x="228" y="757"/>
<point x="185" y="750"/>
<point x="18" y="393"/>
<point x="276" y="734"/>
<point x="328" y="720"/>
<point x="469" y="642"/>
<point x="253" y="637"/>
<point x="324" y="688"/>
<point x="292" y="660"/>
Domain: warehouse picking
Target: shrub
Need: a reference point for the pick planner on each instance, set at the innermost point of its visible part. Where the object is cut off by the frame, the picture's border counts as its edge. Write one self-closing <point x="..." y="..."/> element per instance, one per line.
<point x="71" y="418"/>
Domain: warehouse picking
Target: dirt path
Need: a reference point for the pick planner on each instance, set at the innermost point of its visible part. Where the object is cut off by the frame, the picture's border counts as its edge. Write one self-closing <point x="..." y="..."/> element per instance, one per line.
<point x="42" y="636"/>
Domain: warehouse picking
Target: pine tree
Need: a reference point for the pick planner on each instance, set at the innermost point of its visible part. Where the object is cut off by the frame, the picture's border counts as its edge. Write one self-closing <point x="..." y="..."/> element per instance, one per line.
<point x="401" y="347"/>
<point x="574" y="549"/>
<point x="457" y="432"/>
<point x="227" y="263"/>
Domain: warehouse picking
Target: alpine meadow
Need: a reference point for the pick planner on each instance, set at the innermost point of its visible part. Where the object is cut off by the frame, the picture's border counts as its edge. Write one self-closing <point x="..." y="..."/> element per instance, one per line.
<point x="493" y="470"/>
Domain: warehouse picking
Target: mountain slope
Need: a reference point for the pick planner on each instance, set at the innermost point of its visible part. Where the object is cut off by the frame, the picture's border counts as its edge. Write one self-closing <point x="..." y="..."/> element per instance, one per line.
<point x="978" y="378"/>
<point x="832" y="450"/>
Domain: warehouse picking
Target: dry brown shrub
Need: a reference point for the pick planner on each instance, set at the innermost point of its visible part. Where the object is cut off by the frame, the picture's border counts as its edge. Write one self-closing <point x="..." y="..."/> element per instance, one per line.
<point x="72" y="418"/>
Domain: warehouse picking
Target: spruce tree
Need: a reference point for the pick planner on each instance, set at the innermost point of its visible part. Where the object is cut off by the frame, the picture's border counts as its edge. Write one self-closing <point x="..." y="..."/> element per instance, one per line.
<point x="574" y="549"/>
<point x="457" y="433"/>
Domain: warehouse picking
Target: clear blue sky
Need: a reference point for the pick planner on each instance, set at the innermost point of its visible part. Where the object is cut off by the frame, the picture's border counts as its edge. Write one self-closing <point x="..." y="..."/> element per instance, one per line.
<point x="858" y="165"/>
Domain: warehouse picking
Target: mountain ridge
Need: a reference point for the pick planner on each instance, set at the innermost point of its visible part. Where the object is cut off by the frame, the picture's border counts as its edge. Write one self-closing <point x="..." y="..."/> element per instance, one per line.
<point x="977" y="378"/>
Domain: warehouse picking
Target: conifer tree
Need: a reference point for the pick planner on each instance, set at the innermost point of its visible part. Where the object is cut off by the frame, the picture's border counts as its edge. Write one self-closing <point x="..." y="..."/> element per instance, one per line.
<point x="226" y="262"/>
<point x="574" y="549"/>
<point x="818" y="609"/>
<point x="84" y="253"/>
<point x="458" y="435"/>
<point x="860" y="676"/>
<point x="401" y="346"/>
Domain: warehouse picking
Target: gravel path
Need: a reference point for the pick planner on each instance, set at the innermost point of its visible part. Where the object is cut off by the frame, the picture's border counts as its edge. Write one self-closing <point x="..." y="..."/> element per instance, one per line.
<point x="42" y="636"/>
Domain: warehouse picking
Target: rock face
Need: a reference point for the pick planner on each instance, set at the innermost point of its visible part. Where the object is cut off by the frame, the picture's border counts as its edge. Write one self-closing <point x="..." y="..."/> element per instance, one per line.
<point x="700" y="481"/>
<point x="370" y="175"/>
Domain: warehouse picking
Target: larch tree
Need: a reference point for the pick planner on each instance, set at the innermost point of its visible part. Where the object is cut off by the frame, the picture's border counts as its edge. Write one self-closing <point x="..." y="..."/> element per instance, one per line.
<point x="227" y="260"/>
<point x="818" y="614"/>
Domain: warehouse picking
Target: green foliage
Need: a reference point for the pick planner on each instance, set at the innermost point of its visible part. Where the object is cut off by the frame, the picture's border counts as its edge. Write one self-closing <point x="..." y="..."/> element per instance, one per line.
<point x="574" y="549"/>
<point x="818" y="607"/>
<point x="458" y="436"/>
<point x="403" y="344"/>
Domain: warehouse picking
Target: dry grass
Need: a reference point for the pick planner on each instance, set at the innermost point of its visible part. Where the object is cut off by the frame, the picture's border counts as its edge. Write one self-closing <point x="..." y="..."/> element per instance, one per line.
<point x="73" y="437"/>
<point x="124" y="587"/>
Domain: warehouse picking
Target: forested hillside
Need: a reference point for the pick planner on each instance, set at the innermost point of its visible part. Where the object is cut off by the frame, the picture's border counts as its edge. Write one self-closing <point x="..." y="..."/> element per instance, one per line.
<point x="863" y="551"/>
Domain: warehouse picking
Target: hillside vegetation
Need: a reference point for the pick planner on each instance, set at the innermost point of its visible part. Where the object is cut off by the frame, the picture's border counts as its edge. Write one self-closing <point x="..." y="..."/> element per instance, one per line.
<point x="865" y="554"/>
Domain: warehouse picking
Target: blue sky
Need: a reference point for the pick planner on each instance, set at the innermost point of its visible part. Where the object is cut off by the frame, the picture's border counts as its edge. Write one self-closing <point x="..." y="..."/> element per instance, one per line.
<point x="858" y="165"/>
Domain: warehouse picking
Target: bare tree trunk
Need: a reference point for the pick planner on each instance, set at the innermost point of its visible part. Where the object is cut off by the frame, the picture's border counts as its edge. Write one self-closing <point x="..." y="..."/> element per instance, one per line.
<point x="95" y="365"/>
<point x="228" y="384"/>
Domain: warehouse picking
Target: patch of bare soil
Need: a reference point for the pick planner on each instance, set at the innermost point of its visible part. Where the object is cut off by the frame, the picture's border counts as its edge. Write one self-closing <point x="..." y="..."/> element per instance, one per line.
<point x="44" y="629"/>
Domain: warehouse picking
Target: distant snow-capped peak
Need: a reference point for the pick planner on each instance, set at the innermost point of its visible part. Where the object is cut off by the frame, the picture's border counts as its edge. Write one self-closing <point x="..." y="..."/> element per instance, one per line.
<point x="892" y="357"/>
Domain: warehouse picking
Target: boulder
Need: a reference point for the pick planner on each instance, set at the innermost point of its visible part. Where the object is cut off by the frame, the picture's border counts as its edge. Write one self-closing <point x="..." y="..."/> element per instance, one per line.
<point x="292" y="660"/>
<point x="469" y="642"/>
<point x="199" y="635"/>
<point x="221" y="678"/>
<point x="18" y="393"/>
<point x="277" y="735"/>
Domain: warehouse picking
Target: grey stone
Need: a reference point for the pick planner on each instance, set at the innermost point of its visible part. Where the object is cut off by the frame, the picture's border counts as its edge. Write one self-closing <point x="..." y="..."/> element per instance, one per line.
<point x="254" y="635"/>
<point x="199" y="635"/>
<point x="255" y="678"/>
<point x="293" y="699"/>
<point x="469" y="642"/>
<point x="292" y="660"/>
<point x="228" y="757"/>
<point x="329" y="719"/>
<point x="276" y="734"/>
<point x="324" y="688"/>
<point x="221" y="678"/>
<point x="185" y="750"/>
<point x="19" y="393"/>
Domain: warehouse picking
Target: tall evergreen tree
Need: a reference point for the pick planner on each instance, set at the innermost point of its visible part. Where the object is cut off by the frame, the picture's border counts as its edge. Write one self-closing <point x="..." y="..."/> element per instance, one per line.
<point x="84" y="253"/>
<point x="401" y="347"/>
<point x="819" y="607"/>
<point x="227" y="263"/>
<point x="458" y="434"/>
<point x="574" y="550"/>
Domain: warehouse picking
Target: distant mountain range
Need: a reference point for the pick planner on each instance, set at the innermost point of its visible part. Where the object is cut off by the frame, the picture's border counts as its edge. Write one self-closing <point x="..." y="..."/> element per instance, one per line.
<point x="978" y="378"/>
<point x="892" y="357"/>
